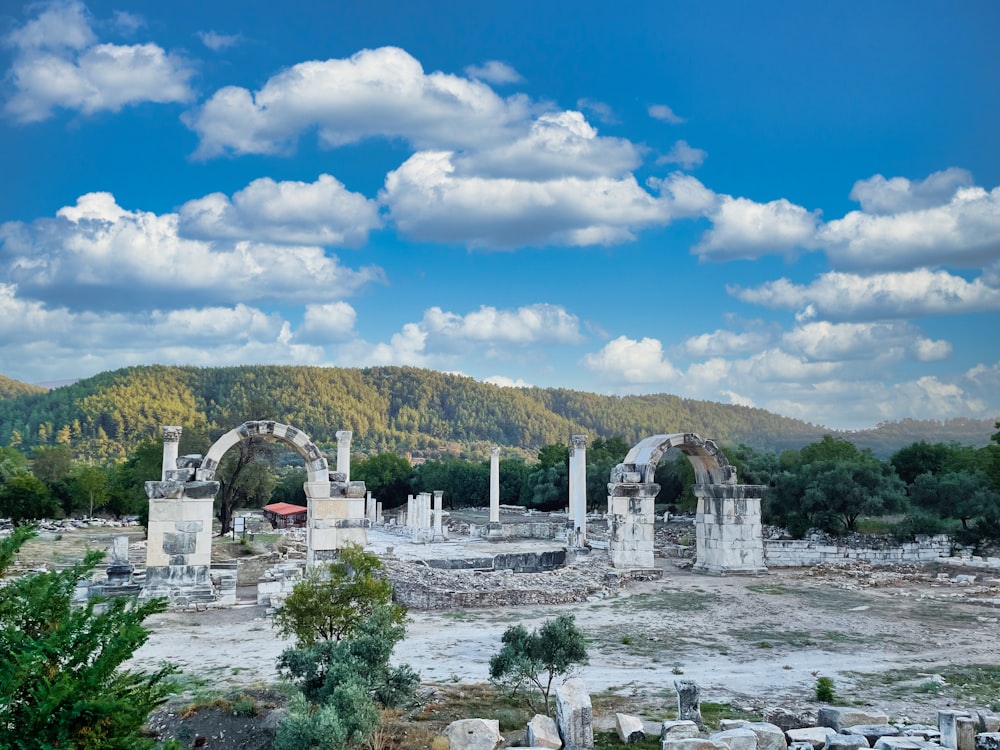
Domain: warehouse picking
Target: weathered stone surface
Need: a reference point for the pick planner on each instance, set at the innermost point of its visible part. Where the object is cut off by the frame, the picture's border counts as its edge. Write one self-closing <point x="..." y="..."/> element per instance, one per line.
<point x="769" y="736"/>
<point x="988" y="741"/>
<point x="575" y="715"/>
<point x="872" y="732"/>
<point x="786" y="719"/>
<point x="473" y="734"/>
<point x="678" y="730"/>
<point x="688" y="701"/>
<point x="923" y="731"/>
<point x="629" y="728"/>
<point x="543" y="732"/>
<point x="965" y="732"/>
<point x="947" y="725"/>
<point x="815" y="736"/>
<point x="988" y="722"/>
<point x="851" y="741"/>
<point x="692" y="743"/>
<point x="841" y="717"/>
<point x="905" y="743"/>
<point x="736" y="739"/>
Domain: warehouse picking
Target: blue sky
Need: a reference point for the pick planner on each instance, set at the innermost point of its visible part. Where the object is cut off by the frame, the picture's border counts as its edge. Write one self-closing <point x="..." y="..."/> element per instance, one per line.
<point x="788" y="205"/>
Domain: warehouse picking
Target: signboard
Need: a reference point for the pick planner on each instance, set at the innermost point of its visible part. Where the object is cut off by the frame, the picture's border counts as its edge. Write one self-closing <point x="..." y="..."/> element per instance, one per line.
<point x="240" y="524"/>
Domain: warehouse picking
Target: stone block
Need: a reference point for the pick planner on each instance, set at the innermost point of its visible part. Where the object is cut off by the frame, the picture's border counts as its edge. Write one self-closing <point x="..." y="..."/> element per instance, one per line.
<point x="847" y="741"/>
<point x="629" y="728"/>
<point x="543" y="732"/>
<point x="473" y="734"/>
<point x="965" y="733"/>
<point x="815" y="736"/>
<point x="872" y="732"/>
<point x="692" y="743"/>
<point x="947" y="725"/>
<point x="678" y="730"/>
<point x="575" y="715"/>
<point x="988" y="722"/>
<point x="769" y="736"/>
<point x="688" y="701"/>
<point x="786" y="719"/>
<point x="841" y="717"/>
<point x="736" y="739"/>
<point x="988" y="741"/>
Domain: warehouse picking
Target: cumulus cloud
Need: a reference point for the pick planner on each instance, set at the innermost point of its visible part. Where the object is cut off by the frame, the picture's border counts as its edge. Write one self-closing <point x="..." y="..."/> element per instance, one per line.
<point x="46" y="343"/>
<point x="59" y="64"/>
<point x="494" y="71"/>
<point x="601" y="110"/>
<point x="745" y="229"/>
<point x="624" y="361"/>
<point x="663" y="113"/>
<point x="504" y="382"/>
<point x="429" y="201"/>
<point x="878" y="195"/>
<point x="97" y="254"/>
<point x="846" y="296"/>
<point x="321" y="324"/>
<point x="964" y="230"/>
<point x="684" y="154"/>
<point x="381" y="92"/>
<point x="323" y="212"/>
<point x="216" y="41"/>
<point x="722" y="342"/>
<point x="825" y="341"/>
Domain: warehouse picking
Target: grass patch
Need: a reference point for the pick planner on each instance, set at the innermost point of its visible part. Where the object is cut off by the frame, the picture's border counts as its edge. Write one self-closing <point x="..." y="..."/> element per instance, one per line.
<point x="770" y="589"/>
<point x="713" y="713"/>
<point x="667" y="601"/>
<point x="773" y="638"/>
<point x="973" y="684"/>
<point x="611" y="741"/>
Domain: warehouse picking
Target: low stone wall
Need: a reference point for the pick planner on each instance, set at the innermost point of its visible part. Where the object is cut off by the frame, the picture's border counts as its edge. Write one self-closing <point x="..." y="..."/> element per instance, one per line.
<point x="519" y="562"/>
<point x="524" y="530"/>
<point x="790" y="553"/>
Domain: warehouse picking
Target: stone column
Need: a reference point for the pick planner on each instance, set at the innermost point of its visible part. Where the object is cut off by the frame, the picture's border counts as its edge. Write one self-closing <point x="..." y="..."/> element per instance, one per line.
<point x="344" y="453"/>
<point x="171" y="445"/>
<point x="578" y="487"/>
<point x="493" y="527"/>
<point x="439" y="514"/>
<point x="408" y="518"/>
<point x="379" y="518"/>
<point x="370" y="508"/>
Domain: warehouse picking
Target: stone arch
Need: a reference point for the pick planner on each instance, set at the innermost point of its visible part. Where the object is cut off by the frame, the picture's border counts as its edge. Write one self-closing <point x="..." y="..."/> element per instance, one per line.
<point x="710" y="464"/>
<point x="316" y="465"/>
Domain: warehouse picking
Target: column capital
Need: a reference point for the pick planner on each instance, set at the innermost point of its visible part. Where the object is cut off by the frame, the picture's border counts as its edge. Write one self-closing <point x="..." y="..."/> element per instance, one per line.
<point x="171" y="434"/>
<point x="344" y="435"/>
<point x="495" y="452"/>
<point x="579" y="442"/>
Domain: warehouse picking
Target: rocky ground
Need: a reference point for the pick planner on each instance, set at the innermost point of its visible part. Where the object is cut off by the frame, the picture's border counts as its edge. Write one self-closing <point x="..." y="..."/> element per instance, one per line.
<point x="905" y="639"/>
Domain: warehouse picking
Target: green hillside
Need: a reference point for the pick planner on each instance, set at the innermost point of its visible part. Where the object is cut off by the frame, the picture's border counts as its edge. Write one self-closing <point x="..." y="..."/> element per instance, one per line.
<point x="10" y="388"/>
<point x="401" y="409"/>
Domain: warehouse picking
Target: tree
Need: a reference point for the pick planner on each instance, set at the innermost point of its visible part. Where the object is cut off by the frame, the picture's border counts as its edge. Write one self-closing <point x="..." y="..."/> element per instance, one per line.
<point x="245" y="479"/>
<point x="919" y="458"/>
<point x="63" y="686"/>
<point x="964" y="495"/>
<point x="12" y="462"/>
<point x="386" y="476"/>
<point x="89" y="483"/>
<point x="530" y="662"/>
<point x="26" y="498"/>
<point x="331" y="602"/>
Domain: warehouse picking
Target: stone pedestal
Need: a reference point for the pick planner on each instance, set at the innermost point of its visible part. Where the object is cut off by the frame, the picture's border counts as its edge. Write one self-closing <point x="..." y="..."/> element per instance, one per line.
<point x="336" y="517"/>
<point x="630" y="524"/>
<point x="728" y="535"/>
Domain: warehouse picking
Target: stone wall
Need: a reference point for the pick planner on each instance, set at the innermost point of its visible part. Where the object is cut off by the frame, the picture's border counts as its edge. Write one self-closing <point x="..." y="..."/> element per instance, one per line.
<point x="524" y="530"/>
<point x="788" y="553"/>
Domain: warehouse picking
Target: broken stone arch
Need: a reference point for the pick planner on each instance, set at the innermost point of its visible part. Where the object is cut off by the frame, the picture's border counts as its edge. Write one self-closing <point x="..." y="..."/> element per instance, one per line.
<point x="728" y="534"/>
<point x="179" y="533"/>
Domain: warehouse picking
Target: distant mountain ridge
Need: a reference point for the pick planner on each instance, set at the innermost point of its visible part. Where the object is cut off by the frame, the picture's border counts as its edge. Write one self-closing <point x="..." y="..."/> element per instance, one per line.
<point x="10" y="388"/>
<point x="402" y="409"/>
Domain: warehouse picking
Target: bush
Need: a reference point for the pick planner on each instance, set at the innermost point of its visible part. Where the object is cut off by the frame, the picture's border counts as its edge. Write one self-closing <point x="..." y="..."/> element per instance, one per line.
<point x="918" y="522"/>
<point x="824" y="690"/>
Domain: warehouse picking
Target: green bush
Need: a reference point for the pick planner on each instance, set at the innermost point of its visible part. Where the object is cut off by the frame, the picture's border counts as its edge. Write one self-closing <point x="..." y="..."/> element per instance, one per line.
<point x="824" y="690"/>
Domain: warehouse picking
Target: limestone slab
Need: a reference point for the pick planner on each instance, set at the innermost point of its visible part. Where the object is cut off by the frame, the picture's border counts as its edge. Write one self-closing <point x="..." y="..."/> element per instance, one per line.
<point x="473" y="734"/>
<point x="575" y="715"/>
<point x="629" y="728"/>
<point x="543" y="732"/>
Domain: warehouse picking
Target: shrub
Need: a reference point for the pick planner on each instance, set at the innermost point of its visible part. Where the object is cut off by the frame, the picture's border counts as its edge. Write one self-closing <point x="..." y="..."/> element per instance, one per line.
<point x="824" y="690"/>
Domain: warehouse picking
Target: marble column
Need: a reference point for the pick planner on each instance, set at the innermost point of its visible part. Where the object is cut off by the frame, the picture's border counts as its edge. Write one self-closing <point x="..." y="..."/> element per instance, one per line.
<point x="171" y="446"/>
<point x="344" y="453"/>
<point x="493" y="527"/>
<point x="438" y="514"/>
<point x="578" y="487"/>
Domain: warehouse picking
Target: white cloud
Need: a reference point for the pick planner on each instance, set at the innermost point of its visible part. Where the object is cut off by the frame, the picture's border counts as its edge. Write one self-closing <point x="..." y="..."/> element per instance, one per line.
<point x="560" y="144"/>
<point x="940" y="221"/>
<point x="429" y="201"/>
<point x="40" y="343"/>
<point x="877" y="195"/>
<point x="321" y="324"/>
<point x="321" y="213"/>
<point x="722" y="342"/>
<point x="890" y="295"/>
<point x="745" y="229"/>
<point x="58" y="64"/>
<point x="216" y="41"/>
<point x="825" y="341"/>
<point x="97" y="254"/>
<point x="381" y="92"/>
<point x="128" y="23"/>
<point x="684" y="154"/>
<point x="624" y="362"/>
<point x="504" y="382"/>
<point x="494" y="71"/>
<point x="664" y="113"/>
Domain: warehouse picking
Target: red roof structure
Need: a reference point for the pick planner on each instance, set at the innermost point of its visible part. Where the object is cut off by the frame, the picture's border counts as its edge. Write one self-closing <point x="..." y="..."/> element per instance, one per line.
<point x="285" y="509"/>
<point x="285" y="515"/>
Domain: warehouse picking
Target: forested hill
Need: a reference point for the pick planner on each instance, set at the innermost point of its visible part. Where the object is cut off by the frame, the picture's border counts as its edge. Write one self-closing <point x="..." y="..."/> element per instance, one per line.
<point x="402" y="409"/>
<point x="11" y="388"/>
